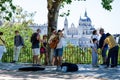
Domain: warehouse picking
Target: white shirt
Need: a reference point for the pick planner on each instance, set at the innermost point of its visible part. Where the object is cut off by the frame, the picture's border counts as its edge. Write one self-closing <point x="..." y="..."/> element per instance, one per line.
<point x="95" y="36"/>
<point x="60" y="44"/>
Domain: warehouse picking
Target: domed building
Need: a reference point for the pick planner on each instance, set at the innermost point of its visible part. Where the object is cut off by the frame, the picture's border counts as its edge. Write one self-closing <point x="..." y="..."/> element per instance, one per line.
<point x="83" y="32"/>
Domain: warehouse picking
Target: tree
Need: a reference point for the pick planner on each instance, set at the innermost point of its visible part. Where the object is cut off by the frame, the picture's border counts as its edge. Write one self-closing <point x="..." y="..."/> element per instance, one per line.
<point x="53" y="10"/>
<point x="54" y="6"/>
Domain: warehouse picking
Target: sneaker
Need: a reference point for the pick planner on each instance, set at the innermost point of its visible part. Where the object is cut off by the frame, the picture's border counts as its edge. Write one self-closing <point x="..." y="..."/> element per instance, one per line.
<point x="113" y="66"/>
<point x="64" y="69"/>
<point x="58" y="68"/>
<point x="13" y="62"/>
<point x="103" y="64"/>
<point x="106" y="67"/>
<point x="95" y="66"/>
<point x="36" y="65"/>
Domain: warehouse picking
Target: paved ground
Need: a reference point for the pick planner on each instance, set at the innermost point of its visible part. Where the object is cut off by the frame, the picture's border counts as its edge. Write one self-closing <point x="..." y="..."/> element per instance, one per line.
<point x="10" y="71"/>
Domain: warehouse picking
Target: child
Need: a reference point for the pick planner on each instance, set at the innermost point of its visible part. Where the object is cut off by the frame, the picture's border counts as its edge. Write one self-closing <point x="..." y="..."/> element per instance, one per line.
<point x="95" y="35"/>
<point x="94" y="53"/>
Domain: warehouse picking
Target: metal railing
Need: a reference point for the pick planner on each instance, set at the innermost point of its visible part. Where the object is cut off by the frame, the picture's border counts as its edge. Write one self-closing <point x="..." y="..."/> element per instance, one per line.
<point x="70" y="54"/>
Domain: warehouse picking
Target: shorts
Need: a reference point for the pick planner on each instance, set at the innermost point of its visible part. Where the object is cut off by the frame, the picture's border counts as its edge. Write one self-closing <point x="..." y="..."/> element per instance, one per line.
<point x="58" y="52"/>
<point x="104" y="52"/>
<point x="36" y="51"/>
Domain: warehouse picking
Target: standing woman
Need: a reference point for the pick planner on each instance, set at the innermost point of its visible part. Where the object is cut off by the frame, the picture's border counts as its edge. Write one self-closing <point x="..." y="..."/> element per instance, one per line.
<point x="2" y="44"/>
<point x="43" y="49"/>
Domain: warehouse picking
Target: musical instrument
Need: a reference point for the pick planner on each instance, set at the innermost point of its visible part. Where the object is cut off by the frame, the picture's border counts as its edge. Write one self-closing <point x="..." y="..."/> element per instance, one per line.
<point x="55" y="41"/>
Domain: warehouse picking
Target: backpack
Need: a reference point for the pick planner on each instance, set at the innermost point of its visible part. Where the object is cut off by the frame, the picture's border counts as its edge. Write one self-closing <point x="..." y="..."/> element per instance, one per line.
<point x="70" y="67"/>
<point x="33" y="38"/>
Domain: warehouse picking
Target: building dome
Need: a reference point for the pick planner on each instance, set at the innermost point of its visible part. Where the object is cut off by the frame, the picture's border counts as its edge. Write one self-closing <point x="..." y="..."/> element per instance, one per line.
<point x="88" y="19"/>
<point x="85" y="19"/>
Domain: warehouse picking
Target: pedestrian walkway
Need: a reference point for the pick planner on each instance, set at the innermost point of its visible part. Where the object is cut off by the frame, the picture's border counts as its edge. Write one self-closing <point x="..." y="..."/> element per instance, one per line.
<point x="9" y="71"/>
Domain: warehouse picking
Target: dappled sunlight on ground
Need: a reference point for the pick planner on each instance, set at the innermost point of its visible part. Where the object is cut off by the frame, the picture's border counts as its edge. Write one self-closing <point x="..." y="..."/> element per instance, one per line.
<point x="86" y="71"/>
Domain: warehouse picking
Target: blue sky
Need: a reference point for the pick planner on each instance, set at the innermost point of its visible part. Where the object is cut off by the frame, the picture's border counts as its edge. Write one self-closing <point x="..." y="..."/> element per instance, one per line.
<point x="99" y="16"/>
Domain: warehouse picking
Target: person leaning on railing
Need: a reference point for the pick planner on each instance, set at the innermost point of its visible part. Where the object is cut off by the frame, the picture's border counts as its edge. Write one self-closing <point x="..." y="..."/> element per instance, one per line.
<point x="113" y="51"/>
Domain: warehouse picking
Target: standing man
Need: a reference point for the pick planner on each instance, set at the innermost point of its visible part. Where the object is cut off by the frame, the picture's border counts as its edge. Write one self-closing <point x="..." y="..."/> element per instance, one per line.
<point x="52" y="59"/>
<point x="105" y="48"/>
<point x="18" y="44"/>
<point x="59" y="50"/>
<point x="113" y="51"/>
<point x="35" y="40"/>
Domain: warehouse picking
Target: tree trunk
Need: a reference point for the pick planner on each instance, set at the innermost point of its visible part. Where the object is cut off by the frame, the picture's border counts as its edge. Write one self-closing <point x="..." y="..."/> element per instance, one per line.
<point x="53" y="11"/>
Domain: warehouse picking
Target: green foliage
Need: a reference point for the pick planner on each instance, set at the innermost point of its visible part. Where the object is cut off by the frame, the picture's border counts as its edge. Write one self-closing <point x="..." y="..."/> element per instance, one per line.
<point x="8" y="30"/>
<point x="67" y="1"/>
<point x="107" y="4"/>
<point x="6" y="8"/>
<point x="65" y="13"/>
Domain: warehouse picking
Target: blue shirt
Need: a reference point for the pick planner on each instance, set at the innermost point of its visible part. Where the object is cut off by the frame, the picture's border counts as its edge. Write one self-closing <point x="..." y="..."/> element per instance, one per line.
<point x="18" y="41"/>
<point x="101" y="41"/>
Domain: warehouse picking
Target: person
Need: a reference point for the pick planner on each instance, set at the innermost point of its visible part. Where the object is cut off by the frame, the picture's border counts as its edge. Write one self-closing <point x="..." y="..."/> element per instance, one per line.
<point x="113" y="50"/>
<point x="43" y="49"/>
<point x="2" y="44"/>
<point x="35" y="40"/>
<point x="58" y="52"/>
<point x="54" y="32"/>
<point x="105" y="48"/>
<point x="94" y="53"/>
<point x="18" y="44"/>
<point x="95" y="35"/>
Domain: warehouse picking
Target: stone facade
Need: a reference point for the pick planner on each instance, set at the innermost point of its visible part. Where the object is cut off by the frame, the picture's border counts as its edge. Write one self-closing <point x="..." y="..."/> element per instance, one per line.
<point x="82" y="32"/>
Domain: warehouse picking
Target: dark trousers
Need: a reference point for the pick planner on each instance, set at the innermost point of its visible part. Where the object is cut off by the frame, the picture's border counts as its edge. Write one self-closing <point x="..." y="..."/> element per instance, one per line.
<point x="113" y="56"/>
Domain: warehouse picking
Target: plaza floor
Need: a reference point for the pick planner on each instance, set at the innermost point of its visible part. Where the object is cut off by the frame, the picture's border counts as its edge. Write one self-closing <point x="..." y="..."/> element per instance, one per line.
<point x="9" y="71"/>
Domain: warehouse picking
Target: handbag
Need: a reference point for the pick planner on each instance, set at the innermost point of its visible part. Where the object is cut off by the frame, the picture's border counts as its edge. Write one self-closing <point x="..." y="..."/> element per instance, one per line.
<point x="42" y="50"/>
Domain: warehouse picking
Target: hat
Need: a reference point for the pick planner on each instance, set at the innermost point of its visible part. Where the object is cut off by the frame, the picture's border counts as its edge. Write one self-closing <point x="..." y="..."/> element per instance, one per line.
<point x="59" y="30"/>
